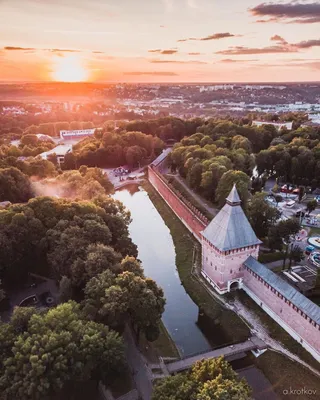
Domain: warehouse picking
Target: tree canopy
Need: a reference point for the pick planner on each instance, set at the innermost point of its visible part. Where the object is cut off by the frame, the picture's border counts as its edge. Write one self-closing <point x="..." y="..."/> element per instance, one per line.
<point x="262" y="216"/>
<point x="14" y="186"/>
<point x="45" y="351"/>
<point x="59" y="236"/>
<point x="208" y="379"/>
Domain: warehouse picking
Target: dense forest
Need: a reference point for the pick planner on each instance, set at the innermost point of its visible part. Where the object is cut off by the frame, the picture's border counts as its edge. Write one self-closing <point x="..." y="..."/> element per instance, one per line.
<point x="85" y="246"/>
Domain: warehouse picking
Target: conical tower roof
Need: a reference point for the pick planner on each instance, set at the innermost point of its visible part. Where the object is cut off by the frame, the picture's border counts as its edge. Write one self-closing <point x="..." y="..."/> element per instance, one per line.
<point x="230" y="229"/>
<point x="233" y="198"/>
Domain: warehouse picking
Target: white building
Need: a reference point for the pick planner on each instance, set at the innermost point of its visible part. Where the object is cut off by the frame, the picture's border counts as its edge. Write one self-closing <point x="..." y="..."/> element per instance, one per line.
<point x="60" y="151"/>
<point x="277" y="125"/>
<point x="80" y="133"/>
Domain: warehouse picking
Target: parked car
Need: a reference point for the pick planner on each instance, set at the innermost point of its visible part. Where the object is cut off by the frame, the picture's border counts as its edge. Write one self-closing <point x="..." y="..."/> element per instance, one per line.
<point x="309" y="249"/>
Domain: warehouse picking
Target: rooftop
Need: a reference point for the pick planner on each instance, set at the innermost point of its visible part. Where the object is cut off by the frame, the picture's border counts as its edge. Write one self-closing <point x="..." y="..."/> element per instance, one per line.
<point x="311" y="309"/>
<point x="230" y="229"/>
<point x="60" y="150"/>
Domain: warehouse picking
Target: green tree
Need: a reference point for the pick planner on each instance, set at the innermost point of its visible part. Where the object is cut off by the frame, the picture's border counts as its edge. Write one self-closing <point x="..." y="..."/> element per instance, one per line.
<point x="261" y="215"/>
<point x="65" y="289"/>
<point x="59" y="348"/>
<point x="278" y="198"/>
<point x="14" y="186"/>
<point x="2" y="293"/>
<point x="208" y="379"/>
<point x="29" y="140"/>
<point x="302" y="191"/>
<point x="311" y="205"/>
<point x="127" y="297"/>
<point x="283" y="234"/>
<point x="296" y="254"/>
<point x="226" y="183"/>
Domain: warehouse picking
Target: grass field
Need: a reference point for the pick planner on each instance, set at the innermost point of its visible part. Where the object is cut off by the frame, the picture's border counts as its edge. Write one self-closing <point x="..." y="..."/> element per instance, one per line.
<point x="284" y="374"/>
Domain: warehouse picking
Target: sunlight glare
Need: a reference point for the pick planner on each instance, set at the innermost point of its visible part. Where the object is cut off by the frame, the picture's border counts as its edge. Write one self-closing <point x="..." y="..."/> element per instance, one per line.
<point x="69" y="69"/>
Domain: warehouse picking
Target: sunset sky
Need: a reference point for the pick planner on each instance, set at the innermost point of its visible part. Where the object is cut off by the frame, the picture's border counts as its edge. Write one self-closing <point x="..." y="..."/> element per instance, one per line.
<point x="159" y="40"/>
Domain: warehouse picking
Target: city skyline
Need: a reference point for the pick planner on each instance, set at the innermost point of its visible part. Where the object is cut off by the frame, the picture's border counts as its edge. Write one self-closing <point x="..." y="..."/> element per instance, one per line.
<point x="159" y="41"/>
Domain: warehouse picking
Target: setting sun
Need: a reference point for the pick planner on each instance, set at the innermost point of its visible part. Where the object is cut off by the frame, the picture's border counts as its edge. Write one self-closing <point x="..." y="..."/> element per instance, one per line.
<point x="69" y="69"/>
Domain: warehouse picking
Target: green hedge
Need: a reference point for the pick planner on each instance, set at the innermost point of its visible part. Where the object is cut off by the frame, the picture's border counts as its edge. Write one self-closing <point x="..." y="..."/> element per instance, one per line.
<point x="265" y="258"/>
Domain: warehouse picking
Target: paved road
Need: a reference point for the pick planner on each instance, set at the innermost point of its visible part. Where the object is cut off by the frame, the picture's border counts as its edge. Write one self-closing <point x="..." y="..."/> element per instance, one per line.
<point x="251" y="344"/>
<point x="137" y="363"/>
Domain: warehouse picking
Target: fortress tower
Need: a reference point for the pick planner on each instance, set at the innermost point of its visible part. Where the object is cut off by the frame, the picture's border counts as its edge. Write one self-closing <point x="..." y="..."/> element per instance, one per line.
<point x="227" y="242"/>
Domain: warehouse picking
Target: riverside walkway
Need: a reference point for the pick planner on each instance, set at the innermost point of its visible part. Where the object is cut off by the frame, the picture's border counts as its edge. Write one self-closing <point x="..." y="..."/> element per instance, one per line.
<point x="254" y="343"/>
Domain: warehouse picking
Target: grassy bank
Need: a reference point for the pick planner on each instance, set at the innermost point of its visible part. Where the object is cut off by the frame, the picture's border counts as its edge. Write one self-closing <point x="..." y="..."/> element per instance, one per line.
<point x="284" y="374"/>
<point x="185" y="246"/>
<point x="164" y="345"/>
<point x="276" y="332"/>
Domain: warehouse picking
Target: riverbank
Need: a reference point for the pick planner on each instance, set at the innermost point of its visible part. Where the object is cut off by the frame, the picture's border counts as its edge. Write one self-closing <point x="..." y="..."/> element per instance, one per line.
<point x="285" y="374"/>
<point x="186" y="247"/>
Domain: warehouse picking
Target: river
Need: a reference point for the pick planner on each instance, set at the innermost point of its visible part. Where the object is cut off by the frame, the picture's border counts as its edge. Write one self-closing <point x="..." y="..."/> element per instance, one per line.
<point x="181" y="317"/>
<point x="157" y="253"/>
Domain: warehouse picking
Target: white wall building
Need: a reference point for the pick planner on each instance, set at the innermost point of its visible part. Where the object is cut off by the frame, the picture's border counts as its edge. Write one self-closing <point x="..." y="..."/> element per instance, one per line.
<point x="277" y="125"/>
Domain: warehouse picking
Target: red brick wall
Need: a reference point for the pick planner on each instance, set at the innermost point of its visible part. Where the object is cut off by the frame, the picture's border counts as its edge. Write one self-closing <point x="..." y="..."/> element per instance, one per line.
<point x="183" y="212"/>
<point x="291" y="317"/>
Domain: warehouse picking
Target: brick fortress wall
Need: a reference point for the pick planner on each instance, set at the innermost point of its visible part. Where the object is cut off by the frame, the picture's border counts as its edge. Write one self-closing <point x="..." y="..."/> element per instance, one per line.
<point x="297" y="324"/>
<point x="292" y="320"/>
<point x="184" y="210"/>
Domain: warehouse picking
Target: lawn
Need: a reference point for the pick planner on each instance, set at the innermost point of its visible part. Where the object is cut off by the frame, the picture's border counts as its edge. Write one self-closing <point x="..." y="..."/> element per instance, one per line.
<point x="314" y="231"/>
<point x="284" y="374"/>
<point x="186" y="247"/>
<point x="164" y="346"/>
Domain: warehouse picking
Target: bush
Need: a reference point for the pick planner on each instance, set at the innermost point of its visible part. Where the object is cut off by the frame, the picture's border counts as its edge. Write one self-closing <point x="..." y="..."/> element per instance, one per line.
<point x="270" y="257"/>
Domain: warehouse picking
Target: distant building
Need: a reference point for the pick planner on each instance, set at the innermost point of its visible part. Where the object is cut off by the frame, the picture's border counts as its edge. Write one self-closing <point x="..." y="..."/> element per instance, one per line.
<point x="277" y="125"/>
<point x="60" y="151"/>
<point x="77" y="134"/>
<point x="44" y="138"/>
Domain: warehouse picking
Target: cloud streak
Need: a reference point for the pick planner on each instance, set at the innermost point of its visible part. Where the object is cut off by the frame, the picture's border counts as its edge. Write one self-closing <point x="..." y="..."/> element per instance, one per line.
<point x="292" y="12"/>
<point x="232" y="60"/>
<point x="176" y="62"/>
<point x="34" y="49"/>
<point x="166" y="52"/>
<point x="282" y="46"/>
<point x="214" y="36"/>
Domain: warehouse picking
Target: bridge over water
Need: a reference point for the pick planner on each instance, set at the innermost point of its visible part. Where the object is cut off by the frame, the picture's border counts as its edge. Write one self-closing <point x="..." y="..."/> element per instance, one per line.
<point x="253" y="343"/>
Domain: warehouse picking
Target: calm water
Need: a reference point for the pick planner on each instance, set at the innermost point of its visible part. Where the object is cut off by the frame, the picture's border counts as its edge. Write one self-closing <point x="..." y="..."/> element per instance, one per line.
<point x="157" y="253"/>
<point x="181" y="317"/>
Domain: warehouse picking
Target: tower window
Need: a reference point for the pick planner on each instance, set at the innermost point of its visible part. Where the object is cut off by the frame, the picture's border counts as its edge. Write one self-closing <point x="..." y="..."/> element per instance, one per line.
<point x="231" y="271"/>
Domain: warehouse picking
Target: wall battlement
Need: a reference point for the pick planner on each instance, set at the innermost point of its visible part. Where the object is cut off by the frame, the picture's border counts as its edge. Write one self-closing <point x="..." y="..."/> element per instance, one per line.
<point x="191" y="217"/>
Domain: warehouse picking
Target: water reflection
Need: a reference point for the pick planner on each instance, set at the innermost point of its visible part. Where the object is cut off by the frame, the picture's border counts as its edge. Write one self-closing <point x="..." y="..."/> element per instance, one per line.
<point x="157" y="253"/>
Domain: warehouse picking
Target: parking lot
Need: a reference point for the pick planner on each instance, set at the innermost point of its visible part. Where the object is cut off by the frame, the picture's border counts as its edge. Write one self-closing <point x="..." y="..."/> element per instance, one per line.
<point x="304" y="275"/>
